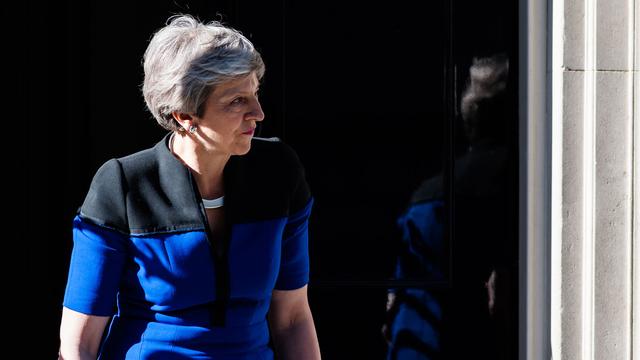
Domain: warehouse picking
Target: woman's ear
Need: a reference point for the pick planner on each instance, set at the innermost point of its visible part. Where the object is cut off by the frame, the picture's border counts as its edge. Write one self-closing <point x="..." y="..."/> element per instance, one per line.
<point x="185" y="120"/>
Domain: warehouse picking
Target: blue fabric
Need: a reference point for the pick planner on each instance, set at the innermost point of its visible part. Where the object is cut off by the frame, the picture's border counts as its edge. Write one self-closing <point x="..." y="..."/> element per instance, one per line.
<point x="97" y="263"/>
<point x="415" y="329"/>
<point x="163" y="283"/>
<point x="410" y="319"/>
<point x="294" y="267"/>
<point x="422" y="237"/>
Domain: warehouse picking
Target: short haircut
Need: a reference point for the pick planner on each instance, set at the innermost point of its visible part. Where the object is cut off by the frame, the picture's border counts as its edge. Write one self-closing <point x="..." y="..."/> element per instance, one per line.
<point x="187" y="59"/>
<point x="484" y="96"/>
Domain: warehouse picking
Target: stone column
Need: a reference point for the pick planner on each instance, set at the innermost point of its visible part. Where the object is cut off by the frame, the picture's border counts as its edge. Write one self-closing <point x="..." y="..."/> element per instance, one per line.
<point x="595" y="179"/>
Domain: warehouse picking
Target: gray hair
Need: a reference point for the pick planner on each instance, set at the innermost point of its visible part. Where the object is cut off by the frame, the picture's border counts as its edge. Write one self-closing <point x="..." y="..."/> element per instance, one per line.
<point x="186" y="60"/>
<point x="487" y="83"/>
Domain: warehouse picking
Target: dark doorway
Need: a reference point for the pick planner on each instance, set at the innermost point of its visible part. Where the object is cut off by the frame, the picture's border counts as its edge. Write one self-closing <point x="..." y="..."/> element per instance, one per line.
<point x="369" y="96"/>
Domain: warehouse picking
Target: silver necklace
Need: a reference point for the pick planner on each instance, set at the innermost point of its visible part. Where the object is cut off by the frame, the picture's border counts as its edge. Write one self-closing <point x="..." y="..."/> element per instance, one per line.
<point x="213" y="203"/>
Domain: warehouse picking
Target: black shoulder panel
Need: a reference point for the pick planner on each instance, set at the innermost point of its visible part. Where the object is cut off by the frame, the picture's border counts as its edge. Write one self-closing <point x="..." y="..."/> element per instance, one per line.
<point x="147" y="192"/>
<point x="161" y="192"/>
<point x="105" y="202"/>
<point x="152" y="191"/>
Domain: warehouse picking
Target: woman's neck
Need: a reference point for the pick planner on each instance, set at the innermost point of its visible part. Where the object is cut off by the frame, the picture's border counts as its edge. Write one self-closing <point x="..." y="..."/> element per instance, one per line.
<point x="207" y="167"/>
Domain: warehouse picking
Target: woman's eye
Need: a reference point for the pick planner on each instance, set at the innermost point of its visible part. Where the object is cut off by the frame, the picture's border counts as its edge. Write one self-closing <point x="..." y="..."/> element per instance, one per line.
<point x="237" y="101"/>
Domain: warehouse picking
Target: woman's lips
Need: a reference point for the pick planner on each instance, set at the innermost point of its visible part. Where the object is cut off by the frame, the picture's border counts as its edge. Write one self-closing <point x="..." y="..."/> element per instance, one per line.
<point x="250" y="132"/>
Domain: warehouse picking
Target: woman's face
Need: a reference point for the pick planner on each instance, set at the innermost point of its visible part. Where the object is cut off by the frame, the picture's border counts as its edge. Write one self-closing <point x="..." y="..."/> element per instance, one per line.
<point x="230" y="116"/>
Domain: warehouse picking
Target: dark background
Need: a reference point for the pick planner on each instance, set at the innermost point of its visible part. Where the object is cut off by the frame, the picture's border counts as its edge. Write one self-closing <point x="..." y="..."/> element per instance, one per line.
<point x="364" y="91"/>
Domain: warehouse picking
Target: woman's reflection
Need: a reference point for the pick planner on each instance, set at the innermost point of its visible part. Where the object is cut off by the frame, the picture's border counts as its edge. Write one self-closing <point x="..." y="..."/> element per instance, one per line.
<point x="474" y="316"/>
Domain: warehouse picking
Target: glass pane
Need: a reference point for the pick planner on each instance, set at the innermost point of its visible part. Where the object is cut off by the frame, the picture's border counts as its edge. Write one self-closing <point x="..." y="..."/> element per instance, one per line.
<point x="365" y="113"/>
<point x="461" y="226"/>
<point x="414" y="195"/>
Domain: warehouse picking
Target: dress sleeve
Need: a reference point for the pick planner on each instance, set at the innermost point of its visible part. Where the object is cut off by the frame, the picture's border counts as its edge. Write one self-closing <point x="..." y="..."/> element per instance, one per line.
<point x="294" y="262"/>
<point x="99" y="245"/>
<point x="422" y="253"/>
<point x="95" y="270"/>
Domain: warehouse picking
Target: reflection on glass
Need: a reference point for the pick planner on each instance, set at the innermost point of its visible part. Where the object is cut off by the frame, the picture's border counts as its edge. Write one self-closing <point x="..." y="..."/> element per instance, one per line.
<point x="472" y="317"/>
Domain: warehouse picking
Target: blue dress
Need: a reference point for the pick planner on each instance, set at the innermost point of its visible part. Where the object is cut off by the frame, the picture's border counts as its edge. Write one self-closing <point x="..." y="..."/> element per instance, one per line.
<point x="143" y="254"/>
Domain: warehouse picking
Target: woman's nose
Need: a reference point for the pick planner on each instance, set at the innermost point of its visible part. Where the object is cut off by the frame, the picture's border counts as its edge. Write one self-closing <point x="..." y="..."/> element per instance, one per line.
<point x="256" y="112"/>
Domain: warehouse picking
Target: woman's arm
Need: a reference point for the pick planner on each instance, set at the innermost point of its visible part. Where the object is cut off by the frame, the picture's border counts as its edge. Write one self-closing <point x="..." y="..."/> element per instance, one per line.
<point x="292" y="328"/>
<point x="80" y="335"/>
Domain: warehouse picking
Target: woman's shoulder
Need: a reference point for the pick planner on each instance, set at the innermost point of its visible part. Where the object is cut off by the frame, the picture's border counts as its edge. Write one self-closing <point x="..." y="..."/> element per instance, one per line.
<point x="140" y="162"/>
<point x="273" y="151"/>
<point x="271" y="174"/>
<point x="143" y="160"/>
<point x="118" y="178"/>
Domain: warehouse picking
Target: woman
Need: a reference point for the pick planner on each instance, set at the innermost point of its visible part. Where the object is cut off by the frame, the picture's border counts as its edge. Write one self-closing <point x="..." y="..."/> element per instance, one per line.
<point x="190" y="246"/>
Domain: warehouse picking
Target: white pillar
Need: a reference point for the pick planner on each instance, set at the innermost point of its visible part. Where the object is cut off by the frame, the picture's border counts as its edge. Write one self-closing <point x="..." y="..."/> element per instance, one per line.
<point x="595" y="169"/>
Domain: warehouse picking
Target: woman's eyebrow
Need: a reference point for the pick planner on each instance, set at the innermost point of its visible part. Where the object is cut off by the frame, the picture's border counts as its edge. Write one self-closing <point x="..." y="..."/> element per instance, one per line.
<point x="237" y="91"/>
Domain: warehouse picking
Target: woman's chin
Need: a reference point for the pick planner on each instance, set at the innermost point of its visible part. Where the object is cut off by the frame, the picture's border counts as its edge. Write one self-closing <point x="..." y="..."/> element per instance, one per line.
<point x="242" y="149"/>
